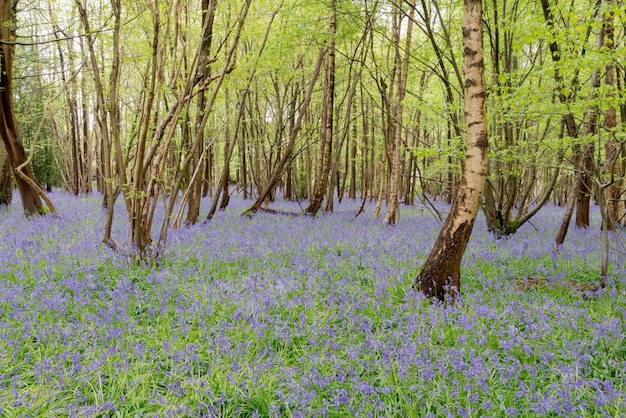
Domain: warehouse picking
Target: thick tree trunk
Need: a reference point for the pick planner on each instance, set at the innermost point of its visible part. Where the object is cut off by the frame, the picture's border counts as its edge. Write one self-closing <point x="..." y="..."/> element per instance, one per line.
<point x="29" y="191"/>
<point x="441" y="272"/>
<point x="583" y="193"/>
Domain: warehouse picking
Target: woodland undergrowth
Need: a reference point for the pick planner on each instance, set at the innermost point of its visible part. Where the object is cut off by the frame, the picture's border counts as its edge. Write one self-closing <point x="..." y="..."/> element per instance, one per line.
<point x="271" y="315"/>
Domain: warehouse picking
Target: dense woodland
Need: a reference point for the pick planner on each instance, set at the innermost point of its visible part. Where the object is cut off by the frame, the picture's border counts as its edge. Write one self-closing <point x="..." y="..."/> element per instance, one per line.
<point x="160" y="103"/>
<point x="135" y="135"/>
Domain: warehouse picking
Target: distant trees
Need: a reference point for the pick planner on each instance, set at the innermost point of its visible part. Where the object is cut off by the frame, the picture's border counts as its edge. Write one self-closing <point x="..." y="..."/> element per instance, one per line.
<point x="164" y="103"/>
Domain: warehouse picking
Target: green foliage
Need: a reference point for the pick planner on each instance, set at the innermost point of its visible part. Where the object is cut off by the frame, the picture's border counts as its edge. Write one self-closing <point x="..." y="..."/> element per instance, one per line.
<point x="29" y="110"/>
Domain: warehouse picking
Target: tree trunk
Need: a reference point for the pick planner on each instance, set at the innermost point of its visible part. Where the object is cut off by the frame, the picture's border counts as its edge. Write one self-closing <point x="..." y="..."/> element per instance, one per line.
<point x="6" y="188"/>
<point x="570" y="123"/>
<point x="203" y="72"/>
<point x="101" y="118"/>
<point x="243" y="161"/>
<point x="87" y="146"/>
<point x="29" y="190"/>
<point x="586" y="163"/>
<point x="612" y="146"/>
<point x="352" y="160"/>
<point x="583" y="193"/>
<point x="441" y="272"/>
<point x="402" y="67"/>
<point x="326" y="144"/>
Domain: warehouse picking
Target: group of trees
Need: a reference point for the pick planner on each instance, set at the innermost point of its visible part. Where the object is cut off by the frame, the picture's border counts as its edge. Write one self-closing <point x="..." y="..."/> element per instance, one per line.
<point x="164" y="102"/>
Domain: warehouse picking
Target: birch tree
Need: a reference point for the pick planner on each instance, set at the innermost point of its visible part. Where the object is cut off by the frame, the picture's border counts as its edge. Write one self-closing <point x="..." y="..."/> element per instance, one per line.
<point x="441" y="272"/>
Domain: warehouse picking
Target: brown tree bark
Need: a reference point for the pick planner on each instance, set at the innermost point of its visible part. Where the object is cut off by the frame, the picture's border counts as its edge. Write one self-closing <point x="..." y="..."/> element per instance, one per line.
<point x="587" y="165"/>
<point x="9" y="131"/>
<point x="612" y="146"/>
<point x="402" y="69"/>
<point x="326" y="143"/>
<point x="6" y="182"/>
<point x="163" y="147"/>
<point x="568" y="119"/>
<point x="102" y="120"/>
<point x="76" y="177"/>
<point x="203" y="72"/>
<point x="351" y="160"/>
<point x="441" y="272"/>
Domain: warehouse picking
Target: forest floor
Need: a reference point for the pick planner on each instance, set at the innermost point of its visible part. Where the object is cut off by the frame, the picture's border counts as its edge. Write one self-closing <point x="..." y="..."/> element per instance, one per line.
<point x="275" y="315"/>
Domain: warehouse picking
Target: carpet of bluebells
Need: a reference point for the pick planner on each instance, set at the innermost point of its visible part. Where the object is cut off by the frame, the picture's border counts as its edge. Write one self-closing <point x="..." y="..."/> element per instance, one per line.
<point x="272" y="315"/>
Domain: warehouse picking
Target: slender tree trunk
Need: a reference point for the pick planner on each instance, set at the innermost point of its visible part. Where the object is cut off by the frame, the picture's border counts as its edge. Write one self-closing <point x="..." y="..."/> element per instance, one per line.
<point x="351" y="161"/>
<point x="402" y="68"/>
<point x="102" y="120"/>
<point x="441" y="272"/>
<point x="365" y="175"/>
<point x="586" y="163"/>
<point x="382" y="188"/>
<point x="290" y="192"/>
<point x="570" y="123"/>
<point x="243" y="159"/>
<point x="203" y="72"/>
<point x="326" y="144"/>
<point x="612" y="146"/>
<point x="229" y="143"/>
<point x="309" y="167"/>
<point x="87" y="146"/>
<point x="6" y="188"/>
<point x="141" y="226"/>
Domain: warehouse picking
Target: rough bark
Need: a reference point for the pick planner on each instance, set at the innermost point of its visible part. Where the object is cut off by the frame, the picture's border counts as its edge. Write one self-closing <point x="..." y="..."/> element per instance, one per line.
<point x="441" y="272"/>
